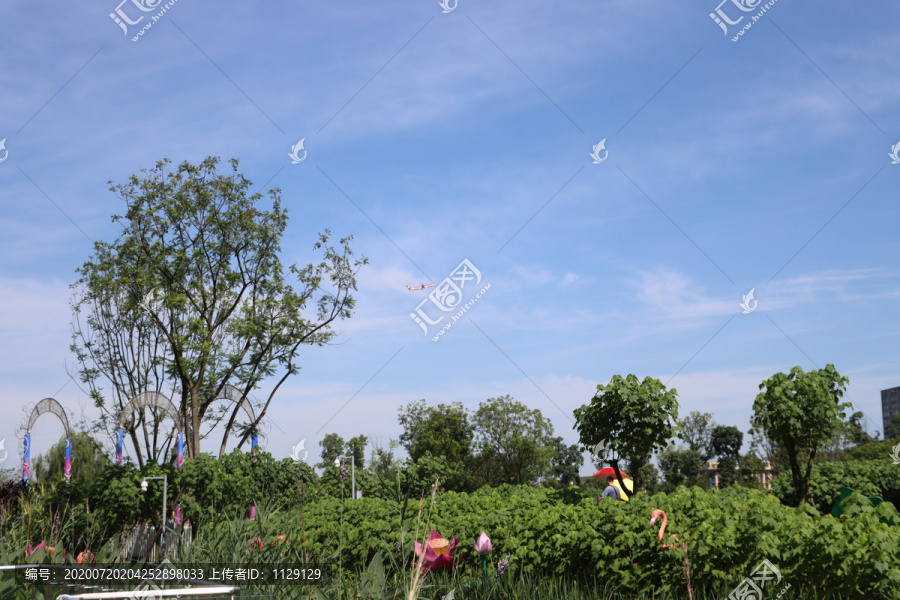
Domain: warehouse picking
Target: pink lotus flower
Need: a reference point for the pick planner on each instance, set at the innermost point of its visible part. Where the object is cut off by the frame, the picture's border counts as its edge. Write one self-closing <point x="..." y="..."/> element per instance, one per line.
<point x="438" y="552"/>
<point x="483" y="545"/>
<point x="42" y="546"/>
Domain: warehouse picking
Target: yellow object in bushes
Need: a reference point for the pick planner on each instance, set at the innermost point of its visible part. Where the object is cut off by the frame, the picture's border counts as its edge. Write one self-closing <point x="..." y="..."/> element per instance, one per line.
<point x="629" y="485"/>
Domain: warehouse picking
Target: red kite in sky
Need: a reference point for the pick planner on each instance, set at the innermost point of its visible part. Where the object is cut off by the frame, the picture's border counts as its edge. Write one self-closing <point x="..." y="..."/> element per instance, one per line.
<point x="420" y="287"/>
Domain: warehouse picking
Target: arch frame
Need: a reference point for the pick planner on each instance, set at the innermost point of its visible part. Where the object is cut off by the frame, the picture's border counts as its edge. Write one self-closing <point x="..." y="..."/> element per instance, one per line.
<point x="151" y="400"/>
<point x="48" y="405"/>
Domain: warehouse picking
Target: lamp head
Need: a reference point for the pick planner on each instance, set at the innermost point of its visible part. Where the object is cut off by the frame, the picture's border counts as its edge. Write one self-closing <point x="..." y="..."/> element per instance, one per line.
<point x="337" y="462"/>
<point x="144" y="485"/>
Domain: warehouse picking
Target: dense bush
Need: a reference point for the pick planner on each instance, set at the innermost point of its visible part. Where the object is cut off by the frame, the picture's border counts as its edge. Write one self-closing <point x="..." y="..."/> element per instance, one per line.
<point x="229" y="486"/>
<point x="728" y="534"/>
<point x="869" y="477"/>
<point x="547" y="532"/>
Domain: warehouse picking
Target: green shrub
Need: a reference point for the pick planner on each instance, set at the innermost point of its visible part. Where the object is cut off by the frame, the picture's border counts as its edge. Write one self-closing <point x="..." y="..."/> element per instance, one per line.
<point x="869" y="477"/>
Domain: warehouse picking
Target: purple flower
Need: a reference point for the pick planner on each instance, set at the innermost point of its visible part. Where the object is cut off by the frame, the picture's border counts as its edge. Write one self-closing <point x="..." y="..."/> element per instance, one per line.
<point x="502" y="567"/>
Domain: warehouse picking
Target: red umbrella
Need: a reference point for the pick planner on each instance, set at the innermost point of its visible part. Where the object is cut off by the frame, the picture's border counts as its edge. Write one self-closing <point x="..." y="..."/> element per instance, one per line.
<point x="609" y="471"/>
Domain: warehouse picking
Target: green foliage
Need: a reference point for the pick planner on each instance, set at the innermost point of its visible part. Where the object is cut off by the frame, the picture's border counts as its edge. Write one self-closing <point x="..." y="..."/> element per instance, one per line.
<point x="382" y="463"/>
<point x="551" y="533"/>
<point x="725" y="442"/>
<point x="88" y="460"/>
<point x="648" y="475"/>
<point x="332" y="447"/>
<point x="855" y="433"/>
<point x="196" y="273"/>
<point x="229" y="486"/>
<point x="696" y="431"/>
<point x="515" y="440"/>
<point x="871" y="451"/>
<point x="869" y="477"/>
<point x="751" y="469"/>
<point x="560" y="535"/>
<point x="892" y="428"/>
<point x="681" y="467"/>
<point x="801" y="411"/>
<point x="566" y="462"/>
<point x="634" y="419"/>
<point x="356" y="448"/>
<point x="727" y="472"/>
<point x="442" y="431"/>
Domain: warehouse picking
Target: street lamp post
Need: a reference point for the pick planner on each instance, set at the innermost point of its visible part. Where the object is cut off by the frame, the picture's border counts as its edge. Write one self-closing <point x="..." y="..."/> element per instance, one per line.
<point x="144" y="485"/>
<point x="337" y="463"/>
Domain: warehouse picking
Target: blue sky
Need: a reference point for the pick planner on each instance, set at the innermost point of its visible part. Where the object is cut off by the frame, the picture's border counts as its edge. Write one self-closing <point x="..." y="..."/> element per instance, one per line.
<point x="436" y="137"/>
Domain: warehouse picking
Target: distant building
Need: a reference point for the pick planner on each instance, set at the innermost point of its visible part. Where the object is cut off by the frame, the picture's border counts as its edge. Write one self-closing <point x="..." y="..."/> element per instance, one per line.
<point x="890" y="405"/>
<point x="711" y="470"/>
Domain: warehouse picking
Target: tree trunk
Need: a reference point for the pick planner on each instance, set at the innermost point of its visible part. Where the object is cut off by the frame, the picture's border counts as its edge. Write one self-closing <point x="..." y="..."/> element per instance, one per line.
<point x="195" y="419"/>
<point x="796" y="475"/>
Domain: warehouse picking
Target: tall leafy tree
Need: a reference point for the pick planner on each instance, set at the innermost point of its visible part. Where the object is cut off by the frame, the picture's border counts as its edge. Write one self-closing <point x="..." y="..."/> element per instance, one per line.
<point x="444" y="430"/>
<point x="801" y="411"/>
<point x="751" y="470"/>
<point x="680" y="467"/>
<point x="856" y="434"/>
<point x="88" y="460"/>
<point x="196" y="273"/>
<point x="696" y="430"/>
<point x="768" y="449"/>
<point x="383" y="462"/>
<point x="725" y="442"/>
<point x="514" y="441"/>
<point x="567" y="461"/>
<point x="635" y="418"/>
<point x="356" y="448"/>
<point x="648" y="475"/>
<point x="332" y="447"/>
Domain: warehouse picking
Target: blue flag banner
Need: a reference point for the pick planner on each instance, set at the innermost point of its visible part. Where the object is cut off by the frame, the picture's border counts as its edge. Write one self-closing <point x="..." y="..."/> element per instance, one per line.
<point x="68" y="470"/>
<point x="26" y="466"/>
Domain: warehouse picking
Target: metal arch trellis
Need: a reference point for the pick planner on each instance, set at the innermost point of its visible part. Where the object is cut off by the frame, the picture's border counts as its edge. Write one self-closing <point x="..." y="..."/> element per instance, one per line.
<point x="230" y="392"/>
<point x="153" y="400"/>
<point x="47" y="405"/>
<point x="149" y="400"/>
